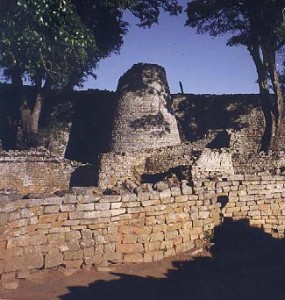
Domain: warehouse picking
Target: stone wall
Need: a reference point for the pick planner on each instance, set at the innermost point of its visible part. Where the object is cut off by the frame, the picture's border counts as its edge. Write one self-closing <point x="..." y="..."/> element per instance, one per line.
<point x="85" y="229"/>
<point x="237" y="121"/>
<point x="115" y="168"/>
<point x="33" y="171"/>
<point x="144" y="119"/>
<point x="77" y="230"/>
<point x="215" y="162"/>
<point x="258" y="198"/>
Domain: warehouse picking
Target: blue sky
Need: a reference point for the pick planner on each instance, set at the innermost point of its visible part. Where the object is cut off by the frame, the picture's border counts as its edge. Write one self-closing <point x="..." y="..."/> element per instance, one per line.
<point x="205" y="65"/>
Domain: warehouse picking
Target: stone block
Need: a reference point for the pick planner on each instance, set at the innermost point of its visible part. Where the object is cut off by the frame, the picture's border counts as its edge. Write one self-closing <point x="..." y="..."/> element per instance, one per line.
<point x="152" y="246"/>
<point x="129" y="238"/>
<point x="143" y="238"/>
<point x="175" y="191"/>
<point x="135" y="210"/>
<point x="111" y="198"/>
<point x="51" y="209"/>
<point x="49" y="218"/>
<point x="73" y="255"/>
<point x="67" y="207"/>
<point x="35" y="261"/>
<point x="116" y="205"/>
<point x="11" y="285"/>
<point x="69" y="199"/>
<point x="53" y="259"/>
<point x="14" y="215"/>
<point x="129" y="248"/>
<point x="169" y="253"/>
<point x="62" y="216"/>
<point x="73" y="264"/>
<point x="73" y="245"/>
<point x="52" y="201"/>
<point x="204" y="214"/>
<point x="110" y="247"/>
<point x="37" y="239"/>
<point x="171" y="218"/>
<point x="150" y="203"/>
<point x="139" y="230"/>
<point x="165" y="194"/>
<point x="23" y="274"/>
<point x="183" y="198"/>
<point x="184" y="247"/>
<point x="113" y="257"/>
<point x="129" y="198"/>
<point x="85" y="207"/>
<point x="77" y="215"/>
<point x="143" y="196"/>
<point x="186" y="190"/>
<point x="170" y="235"/>
<point x="20" y="241"/>
<point x="117" y="212"/>
<point x="91" y="215"/>
<point x="133" y="258"/>
<point x="157" y="236"/>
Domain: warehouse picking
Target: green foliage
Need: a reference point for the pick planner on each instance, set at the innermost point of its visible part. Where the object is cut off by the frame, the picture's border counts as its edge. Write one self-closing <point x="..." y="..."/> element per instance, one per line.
<point x="60" y="42"/>
<point x="244" y="20"/>
<point x="45" y="40"/>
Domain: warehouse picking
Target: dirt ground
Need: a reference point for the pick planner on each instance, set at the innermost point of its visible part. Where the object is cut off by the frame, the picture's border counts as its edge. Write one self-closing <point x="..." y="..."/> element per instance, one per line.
<point x="243" y="263"/>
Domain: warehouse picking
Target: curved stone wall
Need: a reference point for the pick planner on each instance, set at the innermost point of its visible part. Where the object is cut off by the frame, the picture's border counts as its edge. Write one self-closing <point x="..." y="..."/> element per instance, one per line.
<point x="84" y="229"/>
<point x="144" y="119"/>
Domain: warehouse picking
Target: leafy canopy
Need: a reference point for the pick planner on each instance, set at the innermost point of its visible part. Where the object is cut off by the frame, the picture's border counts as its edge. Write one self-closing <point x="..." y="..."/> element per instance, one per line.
<point x="244" y="20"/>
<point x="60" y="42"/>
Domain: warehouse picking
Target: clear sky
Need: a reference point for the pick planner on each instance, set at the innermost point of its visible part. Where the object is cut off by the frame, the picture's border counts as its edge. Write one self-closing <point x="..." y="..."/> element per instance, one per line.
<point x="205" y="65"/>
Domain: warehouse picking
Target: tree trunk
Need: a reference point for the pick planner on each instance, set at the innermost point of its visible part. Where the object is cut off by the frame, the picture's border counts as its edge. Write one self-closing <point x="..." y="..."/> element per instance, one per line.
<point x="30" y="115"/>
<point x="266" y="99"/>
<point x="278" y="106"/>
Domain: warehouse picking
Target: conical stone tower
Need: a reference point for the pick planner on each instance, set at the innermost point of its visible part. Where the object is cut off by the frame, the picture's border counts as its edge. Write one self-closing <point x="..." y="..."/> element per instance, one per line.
<point x="144" y="119"/>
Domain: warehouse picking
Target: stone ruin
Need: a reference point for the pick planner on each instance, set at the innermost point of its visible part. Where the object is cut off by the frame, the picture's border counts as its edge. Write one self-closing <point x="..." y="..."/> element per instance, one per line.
<point x="145" y="138"/>
<point x="83" y="227"/>
<point x="144" y="117"/>
<point x="145" y="129"/>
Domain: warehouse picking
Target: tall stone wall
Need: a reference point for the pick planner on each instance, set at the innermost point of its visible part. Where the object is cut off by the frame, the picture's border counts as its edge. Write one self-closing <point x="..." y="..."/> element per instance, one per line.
<point x="235" y="121"/>
<point x="86" y="229"/>
<point x="144" y="119"/>
<point x="33" y="171"/>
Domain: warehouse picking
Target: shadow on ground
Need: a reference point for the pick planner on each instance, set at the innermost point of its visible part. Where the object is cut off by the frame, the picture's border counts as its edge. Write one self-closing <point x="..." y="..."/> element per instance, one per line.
<point x="246" y="263"/>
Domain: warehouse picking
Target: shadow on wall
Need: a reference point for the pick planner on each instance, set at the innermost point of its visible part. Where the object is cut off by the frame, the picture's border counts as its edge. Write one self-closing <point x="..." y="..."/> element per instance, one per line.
<point x="197" y="114"/>
<point x="85" y="176"/>
<point x="246" y="263"/>
<point x="91" y="128"/>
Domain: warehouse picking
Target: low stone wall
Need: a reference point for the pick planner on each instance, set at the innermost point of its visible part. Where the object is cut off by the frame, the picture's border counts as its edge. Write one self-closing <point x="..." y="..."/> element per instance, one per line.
<point x="33" y="172"/>
<point x="79" y="230"/>
<point x="115" y="168"/>
<point x="216" y="162"/>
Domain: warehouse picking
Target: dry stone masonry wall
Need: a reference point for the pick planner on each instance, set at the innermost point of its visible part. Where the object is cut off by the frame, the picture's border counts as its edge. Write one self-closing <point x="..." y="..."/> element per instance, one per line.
<point x="34" y="172"/>
<point x="237" y="121"/>
<point x="85" y="229"/>
<point x="144" y="119"/>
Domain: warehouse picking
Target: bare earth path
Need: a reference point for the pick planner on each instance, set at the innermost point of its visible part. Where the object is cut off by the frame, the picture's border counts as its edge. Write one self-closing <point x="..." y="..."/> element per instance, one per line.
<point x="244" y="263"/>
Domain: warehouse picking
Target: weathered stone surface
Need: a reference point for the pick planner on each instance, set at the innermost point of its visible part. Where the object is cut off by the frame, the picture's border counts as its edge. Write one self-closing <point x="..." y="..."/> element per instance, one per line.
<point x="141" y="102"/>
<point x="53" y="259"/>
<point x="133" y="258"/>
<point x="129" y="248"/>
<point x="11" y="285"/>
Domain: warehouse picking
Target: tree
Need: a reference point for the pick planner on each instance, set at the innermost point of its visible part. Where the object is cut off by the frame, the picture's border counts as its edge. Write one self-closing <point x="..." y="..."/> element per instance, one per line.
<point x="58" y="43"/>
<point x="258" y="25"/>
